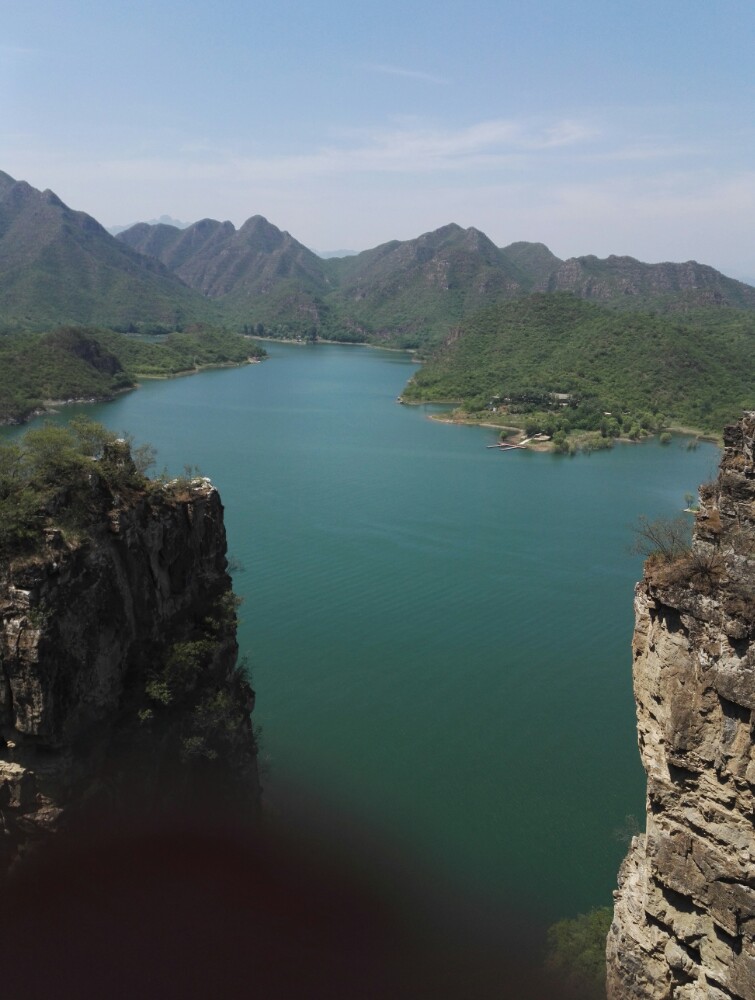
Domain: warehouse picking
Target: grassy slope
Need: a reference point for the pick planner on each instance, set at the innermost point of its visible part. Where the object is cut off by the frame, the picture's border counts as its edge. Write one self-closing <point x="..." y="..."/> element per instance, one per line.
<point x="696" y="369"/>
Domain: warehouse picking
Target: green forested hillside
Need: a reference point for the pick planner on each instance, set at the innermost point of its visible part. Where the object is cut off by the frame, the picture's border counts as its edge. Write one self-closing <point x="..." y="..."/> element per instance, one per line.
<point x="60" y="266"/>
<point x="86" y="363"/>
<point x="411" y="293"/>
<point x="696" y="370"/>
<point x="255" y="275"/>
<point x="179" y="352"/>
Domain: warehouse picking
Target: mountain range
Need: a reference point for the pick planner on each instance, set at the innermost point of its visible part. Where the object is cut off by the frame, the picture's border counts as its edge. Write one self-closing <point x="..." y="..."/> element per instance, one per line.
<point x="410" y="292"/>
<point x="61" y="266"/>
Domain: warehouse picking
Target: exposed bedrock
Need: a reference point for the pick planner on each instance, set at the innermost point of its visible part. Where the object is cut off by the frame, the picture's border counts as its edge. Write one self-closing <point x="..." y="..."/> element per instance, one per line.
<point x="684" y="915"/>
<point x="118" y="674"/>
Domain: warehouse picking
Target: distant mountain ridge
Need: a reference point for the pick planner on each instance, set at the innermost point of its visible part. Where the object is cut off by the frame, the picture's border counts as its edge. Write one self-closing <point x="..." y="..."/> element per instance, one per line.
<point x="61" y="266"/>
<point x="219" y="260"/>
<point x="327" y="254"/>
<point x="415" y="290"/>
<point x="166" y="220"/>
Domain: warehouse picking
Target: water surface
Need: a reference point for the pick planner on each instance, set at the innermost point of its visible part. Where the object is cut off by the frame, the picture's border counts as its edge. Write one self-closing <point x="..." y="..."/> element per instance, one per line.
<point x="439" y="634"/>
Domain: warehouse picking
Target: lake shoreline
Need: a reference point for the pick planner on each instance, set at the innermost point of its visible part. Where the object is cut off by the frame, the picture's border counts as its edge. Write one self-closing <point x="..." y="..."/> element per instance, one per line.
<point x="54" y="405"/>
<point x="519" y="439"/>
<point x="197" y="369"/>
<point x="337" y="343"/>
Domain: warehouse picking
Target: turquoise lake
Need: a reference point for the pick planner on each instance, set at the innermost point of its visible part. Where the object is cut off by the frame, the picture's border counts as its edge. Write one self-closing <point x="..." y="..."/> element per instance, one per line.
<point x="438" y="633"/>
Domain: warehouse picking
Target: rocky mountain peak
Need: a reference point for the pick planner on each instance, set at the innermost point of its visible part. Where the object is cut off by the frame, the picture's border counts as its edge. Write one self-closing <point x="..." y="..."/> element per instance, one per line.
<point x="62" y="266"/>
<point x="262" y="235"/>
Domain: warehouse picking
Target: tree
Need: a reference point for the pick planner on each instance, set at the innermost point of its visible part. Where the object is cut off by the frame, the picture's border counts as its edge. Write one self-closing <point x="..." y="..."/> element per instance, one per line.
<point x="532" y="427"/>
<point x="19" y="502"/>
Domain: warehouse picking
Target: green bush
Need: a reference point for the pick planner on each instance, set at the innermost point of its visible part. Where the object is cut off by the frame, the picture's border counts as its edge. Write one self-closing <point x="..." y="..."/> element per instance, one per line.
<point x="179" y="675"/>
<point x="577" y="952"/>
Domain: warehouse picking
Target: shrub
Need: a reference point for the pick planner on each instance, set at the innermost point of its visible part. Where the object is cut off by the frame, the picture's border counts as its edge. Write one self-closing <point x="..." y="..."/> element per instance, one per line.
<point x="60" y="476"/>
<point x="180" y="673"/>
<point x="577" y="951"/>
<point x="219" y="726"/>
<point x="664" y="540"/>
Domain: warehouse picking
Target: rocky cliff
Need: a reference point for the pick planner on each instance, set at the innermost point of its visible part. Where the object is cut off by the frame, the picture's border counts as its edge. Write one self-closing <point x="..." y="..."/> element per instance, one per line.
<point x="118" y="677"/>
<point x="631" y="283"/>
<point x="684" y="917"/>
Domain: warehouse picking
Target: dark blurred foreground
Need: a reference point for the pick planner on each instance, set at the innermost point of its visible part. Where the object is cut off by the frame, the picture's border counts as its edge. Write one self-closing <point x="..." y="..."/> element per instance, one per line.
<point x="185" y="908"/>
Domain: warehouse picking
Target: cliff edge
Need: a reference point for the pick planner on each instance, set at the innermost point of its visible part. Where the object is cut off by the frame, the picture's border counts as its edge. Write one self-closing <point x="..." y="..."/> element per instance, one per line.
<point x="684" y="914"/>
<point x="119" y="687"/>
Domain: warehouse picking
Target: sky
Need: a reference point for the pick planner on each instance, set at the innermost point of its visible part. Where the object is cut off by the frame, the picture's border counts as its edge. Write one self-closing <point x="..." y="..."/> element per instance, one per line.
<point x="592" y="126"/>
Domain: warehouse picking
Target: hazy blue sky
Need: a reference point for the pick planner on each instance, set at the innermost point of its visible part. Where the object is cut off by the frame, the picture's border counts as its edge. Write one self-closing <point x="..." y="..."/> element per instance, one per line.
<point x="594" y="126"/>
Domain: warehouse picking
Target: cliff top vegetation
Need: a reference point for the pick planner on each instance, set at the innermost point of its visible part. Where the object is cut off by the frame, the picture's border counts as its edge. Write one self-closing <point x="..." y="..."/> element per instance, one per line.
<point x="64" y="478"/>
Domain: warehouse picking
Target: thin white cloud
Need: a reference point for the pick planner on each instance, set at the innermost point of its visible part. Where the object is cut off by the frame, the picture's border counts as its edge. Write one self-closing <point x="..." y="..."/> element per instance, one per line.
<point x="411" y="74"/>
<point x="18" y="50"/>
<point x="677" y="215"/>
<point x="416" y="149"/>
<point x="410" y="149"/>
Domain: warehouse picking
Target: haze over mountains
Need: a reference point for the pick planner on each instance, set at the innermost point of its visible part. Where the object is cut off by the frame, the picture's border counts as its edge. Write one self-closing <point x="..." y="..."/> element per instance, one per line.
<point x="61" y="266"/>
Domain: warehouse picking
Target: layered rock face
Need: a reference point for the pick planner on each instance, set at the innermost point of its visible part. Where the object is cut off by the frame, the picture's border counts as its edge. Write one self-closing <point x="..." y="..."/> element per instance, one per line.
<point x="118" y="676"/>
<point x="684" y="916"/>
